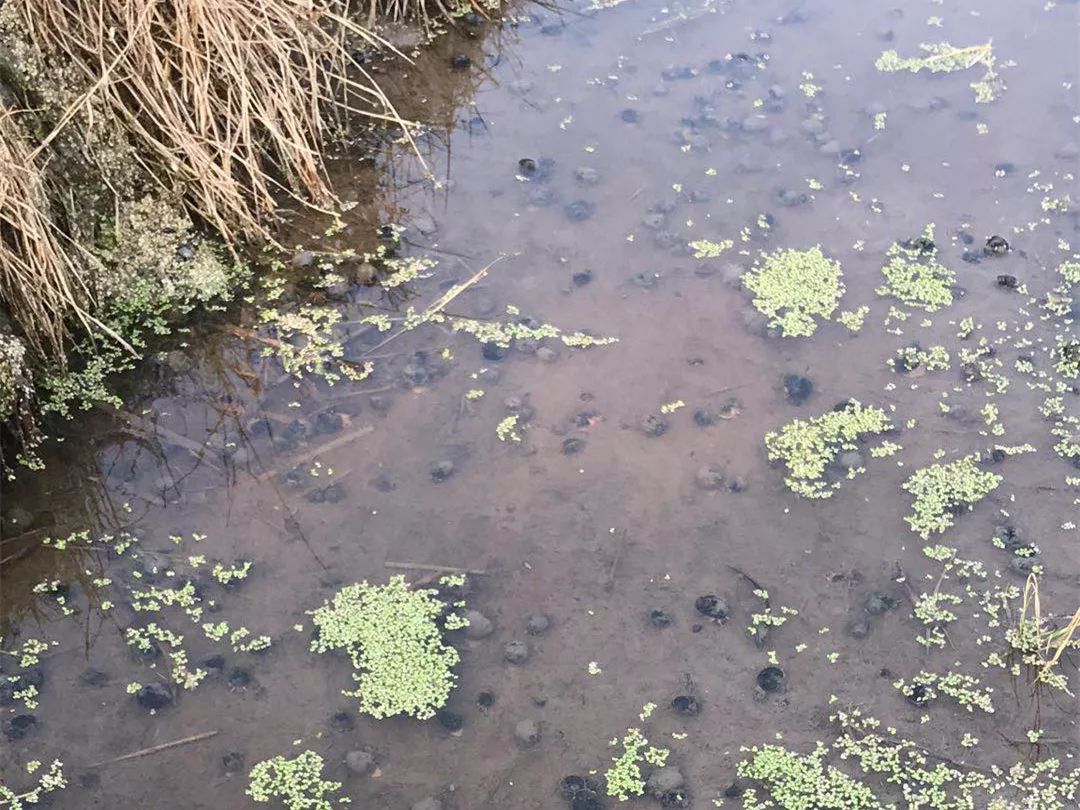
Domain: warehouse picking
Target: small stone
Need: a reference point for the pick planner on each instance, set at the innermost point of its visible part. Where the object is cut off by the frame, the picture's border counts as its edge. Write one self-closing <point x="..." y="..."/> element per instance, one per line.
<point x="342" y="722"/>
<point x="797" y="388"/>
<point x="527" y="167"/>
<point x="232" y="762"/>
<point x="20" y="727"/>
<point x="516" y="651"/>
<point x="546" y="354"/>
<point x="878" y="603"/>
<point x="1022" y="565"/>
<point x="329" y="422"/>
<point x="384" y="482"/>
<point x="686" y="705"/>
<point x="709" y="478"/>
<point x="1007" y="281"/>
<point x="791" y="198"/>
<point x="664" y="780"/>
<point x="770" y="679"/>
<point x="94" y="677"/>
<point x="542" y="196"/>
<point x="587" y="176"/>
<point x="538" y="624"/>
<point x="493" y="351"/>
<point x="630" y="115"/>
<point x="754" y="123"/>
<point x="485" y="700"/>
<point x="654" y="424"/>
<point x="704" y="417"/>
<point x="479" y="626"/>
<point x="360" y="762"/>
<point x="737" y="484"/>
<point x="527" y="733"/>
<point x="302" y="259"/>
<point x="451" y="721"/>
<point x="582" y="277"/>
<point x="460" y="61"/>
<point x="572" y="445"/>
<point x="441" y="470"/>
<point x="660" y="618"/>
<point x="153" y="696"/>
<point x="712" y="606"/>
<point x="858" y="628"/>
<point x="579" y="210"/>
<point x="996" y="246"/>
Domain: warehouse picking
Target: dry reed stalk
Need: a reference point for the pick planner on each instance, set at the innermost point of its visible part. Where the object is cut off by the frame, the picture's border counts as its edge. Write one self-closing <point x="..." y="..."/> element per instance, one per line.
<point x="227" y="101"/>
<point x="39" y="280"/>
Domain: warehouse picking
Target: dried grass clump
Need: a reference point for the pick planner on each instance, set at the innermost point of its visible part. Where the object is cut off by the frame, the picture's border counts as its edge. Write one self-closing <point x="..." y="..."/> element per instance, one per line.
<point x="40" y="281"/>
<point x="225" y="105"/>
<point x="228" y="102"/>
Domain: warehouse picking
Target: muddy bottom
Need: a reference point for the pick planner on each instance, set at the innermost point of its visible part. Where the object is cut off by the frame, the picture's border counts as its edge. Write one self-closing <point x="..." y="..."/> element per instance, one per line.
<point x="614" y="506"/>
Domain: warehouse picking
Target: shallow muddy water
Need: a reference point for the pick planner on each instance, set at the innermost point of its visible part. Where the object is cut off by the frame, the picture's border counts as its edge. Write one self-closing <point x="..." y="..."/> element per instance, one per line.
<point x="581" y="153"/>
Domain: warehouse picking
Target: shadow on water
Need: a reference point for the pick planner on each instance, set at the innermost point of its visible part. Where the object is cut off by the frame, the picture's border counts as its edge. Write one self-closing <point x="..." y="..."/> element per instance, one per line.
<point x="625" y="537"/>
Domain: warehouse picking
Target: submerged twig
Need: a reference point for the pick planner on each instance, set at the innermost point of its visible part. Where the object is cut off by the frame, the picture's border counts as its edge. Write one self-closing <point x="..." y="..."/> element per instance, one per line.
<point x="438" y="569"/>
<point x="142" y="752"/>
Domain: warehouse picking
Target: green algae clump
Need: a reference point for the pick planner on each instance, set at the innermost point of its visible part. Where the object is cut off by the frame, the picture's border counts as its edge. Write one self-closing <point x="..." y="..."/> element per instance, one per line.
<point x="297" y="783"/>
<point x="791" y="286"/>
<point x="807" y="446"/>
<point x="391" y="634"/>
<point x="915" y="276"/>
<point x="941" y="57"/>
<point x="941" y="488"/>
<point x="802" y="781"/>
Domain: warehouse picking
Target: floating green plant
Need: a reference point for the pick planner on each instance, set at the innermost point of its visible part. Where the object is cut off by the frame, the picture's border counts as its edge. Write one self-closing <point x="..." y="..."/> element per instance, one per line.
<point x="801" y="781"/>
<point x="792" y="287"/>
<point x="297" y="783"/>
<point x="939" y="489"/>
<point x="966" y="690"/>
<point x="51" y="779"/>
<point x="624" y="778"/>
<point x="942" y="57"/>
<point x="910" y="358"/>
<point x="915" y="276"/>
<point x="854" y="320"/>
<point x="806" y="447"/>
<point x="704" y="249"/>
<point x="391" y="634"/>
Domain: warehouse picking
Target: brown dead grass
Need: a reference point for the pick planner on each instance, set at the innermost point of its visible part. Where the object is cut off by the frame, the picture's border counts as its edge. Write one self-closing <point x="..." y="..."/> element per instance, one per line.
<point x="227" y="104"/>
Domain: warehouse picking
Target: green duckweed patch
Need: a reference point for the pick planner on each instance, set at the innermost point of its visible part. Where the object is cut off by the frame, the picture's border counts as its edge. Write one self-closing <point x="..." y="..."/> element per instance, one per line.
<point x="624" y="778"/>
<point x="806" y="447"/>
<point x="391" y="634"/>
<point x="793" y="287"/>
<point x="914" y="275"/>
<point x="941" y="489"/>
<point x="45" y="782"/>
<point x="296" y="783"/>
